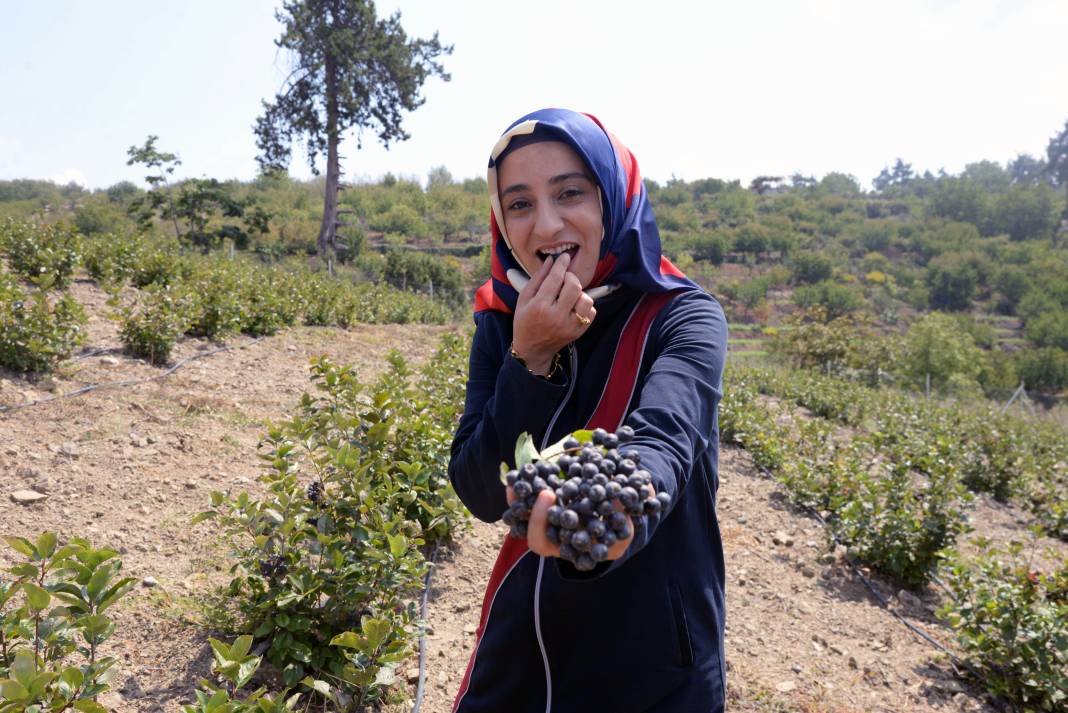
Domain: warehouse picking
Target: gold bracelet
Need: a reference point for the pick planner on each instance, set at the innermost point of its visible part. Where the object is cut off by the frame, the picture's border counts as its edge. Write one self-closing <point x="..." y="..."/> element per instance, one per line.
<point x="523" y="362"/>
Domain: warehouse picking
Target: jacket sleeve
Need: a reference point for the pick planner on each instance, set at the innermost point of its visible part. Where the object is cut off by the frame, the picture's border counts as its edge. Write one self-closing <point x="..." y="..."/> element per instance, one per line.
<point x="675" y="417"/>
<point x="503" y="400"/>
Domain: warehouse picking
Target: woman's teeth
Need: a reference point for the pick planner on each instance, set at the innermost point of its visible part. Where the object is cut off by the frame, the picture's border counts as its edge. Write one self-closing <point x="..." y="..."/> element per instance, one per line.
<point x="559" y="250"/>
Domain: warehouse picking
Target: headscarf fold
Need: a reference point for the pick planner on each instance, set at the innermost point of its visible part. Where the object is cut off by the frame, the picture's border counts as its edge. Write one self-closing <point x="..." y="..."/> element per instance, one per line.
<point x="630" y="249"/>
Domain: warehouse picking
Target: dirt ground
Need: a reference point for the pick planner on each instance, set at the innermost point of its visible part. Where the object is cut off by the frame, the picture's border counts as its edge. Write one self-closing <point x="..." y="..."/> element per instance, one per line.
<point x="129" y="467"/>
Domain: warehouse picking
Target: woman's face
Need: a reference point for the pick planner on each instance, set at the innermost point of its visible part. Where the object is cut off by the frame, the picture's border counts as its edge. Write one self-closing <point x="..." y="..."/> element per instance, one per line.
<point x="551" y="205"/>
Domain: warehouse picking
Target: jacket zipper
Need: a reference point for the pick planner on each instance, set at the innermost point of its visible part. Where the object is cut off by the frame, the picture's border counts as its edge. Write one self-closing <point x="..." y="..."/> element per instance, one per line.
<point x="573" y="361"/>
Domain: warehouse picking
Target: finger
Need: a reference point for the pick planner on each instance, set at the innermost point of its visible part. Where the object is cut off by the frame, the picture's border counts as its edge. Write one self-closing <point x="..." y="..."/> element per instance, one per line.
<point x="536" y="279"/>
<point x="584" y="306"/>
<point x="539" y="520"/>
<point x="569" y="292"/>
<point x="550" y="286"/>
<point x="509" y="493"/>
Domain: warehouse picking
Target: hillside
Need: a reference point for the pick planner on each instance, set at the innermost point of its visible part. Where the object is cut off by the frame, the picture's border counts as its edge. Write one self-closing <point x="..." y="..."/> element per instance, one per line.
<point x="130" y="466"/>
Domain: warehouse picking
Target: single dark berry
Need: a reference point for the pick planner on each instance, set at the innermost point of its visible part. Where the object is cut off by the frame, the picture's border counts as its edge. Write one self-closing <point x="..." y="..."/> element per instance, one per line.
<point x="538" y="484"/>
<point x="647" y="491"/>
<point x="584" y="563"/>
<point x="624" y="532"/>
<point x="564" y="462"/>
<point x="581" y="541"/>
<point x="554" y="481"/>
<point x="569" y="490"/>
<point x="508" y="517"/>
<point x="590" y="470"/>
<point x="575" y="469"/>
<point x="589" y="455"/>
<point x="651" y="506"/>
<point x="633" y="455"/>
<point x="608" y="468"/>
<point x="598" y="436"/>
<point x="620" y="480"/>
<point x="510" y="477"/>
<point x="522" y="488"/>
<point x="584" y="507"/>
<point x="565" y="535"/>
<point x="605" y="508"/>
<point x="629" y="497"/>
<point x="665" y="500"/>
<point x="600" y="479"/>
<point x="596" y="528"/>
<point x="597" y="493"/>
<point x="609" y="538"/>
<point x="546" y="468"/>
<point x="552" y="535"/>
<point x="520" y="510"/>
<point x="520" y="529"/>
<point x="599" y="552"/>
<point x="555" y="511"/>
<point x="645" y="475"/>
<point x="568" y="552"/>
<point x="613" y="455"/>
<point x="613" y="489"/>
<point x="584" y="488"/>
<point x="617" y="521"/>
<point x="636" y="511"/>
<point x="610" y="441"/>
<point x="625" y="467"/>
<point x="635" y="481"/>
<point x="571" y="443"/>
<point x="527" y="471"/>
<point x="569" y="519"/>
<point x="625" y="434"/>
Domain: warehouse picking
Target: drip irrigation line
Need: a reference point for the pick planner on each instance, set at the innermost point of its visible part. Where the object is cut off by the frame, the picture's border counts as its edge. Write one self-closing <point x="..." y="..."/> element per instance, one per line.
<point x="923" y="635"/>
<point x="419" y="690"/>
<point x="127" y="382"/>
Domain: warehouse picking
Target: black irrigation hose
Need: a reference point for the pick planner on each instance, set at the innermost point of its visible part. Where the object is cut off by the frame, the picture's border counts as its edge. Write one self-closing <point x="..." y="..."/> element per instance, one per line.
<point x="957" y="661"/>
<point x="419" y="690"/>
<point x="127" y="382"/>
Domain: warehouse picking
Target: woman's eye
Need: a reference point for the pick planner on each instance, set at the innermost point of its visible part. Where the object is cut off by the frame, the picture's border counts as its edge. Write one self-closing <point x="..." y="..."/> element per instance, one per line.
<point x="570" y="193"/>
<point x="518" y="204"/>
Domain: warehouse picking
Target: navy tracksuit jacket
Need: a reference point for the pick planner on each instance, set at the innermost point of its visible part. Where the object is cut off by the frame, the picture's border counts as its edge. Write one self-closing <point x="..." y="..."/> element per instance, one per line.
<point x="643" y="634"/>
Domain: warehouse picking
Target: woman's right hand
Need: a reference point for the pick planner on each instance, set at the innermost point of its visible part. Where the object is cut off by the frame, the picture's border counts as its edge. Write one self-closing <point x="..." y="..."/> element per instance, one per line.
<point x="547" y="314"/>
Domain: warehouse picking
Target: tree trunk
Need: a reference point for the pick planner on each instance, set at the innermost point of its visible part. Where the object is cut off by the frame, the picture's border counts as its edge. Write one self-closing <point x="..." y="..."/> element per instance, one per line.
<point x="328" y="229"/>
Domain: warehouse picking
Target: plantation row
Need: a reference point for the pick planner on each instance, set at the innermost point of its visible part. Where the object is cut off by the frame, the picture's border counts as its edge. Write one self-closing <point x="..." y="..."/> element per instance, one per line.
<point x="901" y="507"/>
<point x="327" y="565"/>
<point x="1010" y="458"/>
<point x="177" y="294"/>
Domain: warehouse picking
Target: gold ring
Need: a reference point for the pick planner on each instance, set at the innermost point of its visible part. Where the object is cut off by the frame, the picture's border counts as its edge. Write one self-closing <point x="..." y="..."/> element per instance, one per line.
<point x="584" y="321"/>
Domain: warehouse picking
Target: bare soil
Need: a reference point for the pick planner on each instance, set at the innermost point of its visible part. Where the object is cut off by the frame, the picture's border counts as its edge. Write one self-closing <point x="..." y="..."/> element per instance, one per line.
<point x="130" y="466"/>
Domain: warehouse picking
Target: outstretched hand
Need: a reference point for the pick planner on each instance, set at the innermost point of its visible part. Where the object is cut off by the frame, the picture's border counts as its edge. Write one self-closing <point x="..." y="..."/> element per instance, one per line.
<point x="551" y="312"/>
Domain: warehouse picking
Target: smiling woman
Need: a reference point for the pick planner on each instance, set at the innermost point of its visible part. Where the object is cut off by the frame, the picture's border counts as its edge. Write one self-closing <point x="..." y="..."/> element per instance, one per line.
<point x="584" y="324"/>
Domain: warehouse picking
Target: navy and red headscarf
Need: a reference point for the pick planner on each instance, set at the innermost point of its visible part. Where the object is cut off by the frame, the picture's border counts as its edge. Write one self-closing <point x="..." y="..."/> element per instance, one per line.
<point x="630" y="250"/>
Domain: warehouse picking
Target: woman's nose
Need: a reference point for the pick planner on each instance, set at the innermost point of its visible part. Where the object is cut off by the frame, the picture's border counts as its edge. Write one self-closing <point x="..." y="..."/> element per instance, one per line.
<point x="548" y="221"/>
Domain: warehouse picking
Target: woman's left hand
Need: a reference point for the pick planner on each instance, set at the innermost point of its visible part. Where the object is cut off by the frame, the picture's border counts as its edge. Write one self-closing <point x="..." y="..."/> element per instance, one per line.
<point x="539" y="520"/>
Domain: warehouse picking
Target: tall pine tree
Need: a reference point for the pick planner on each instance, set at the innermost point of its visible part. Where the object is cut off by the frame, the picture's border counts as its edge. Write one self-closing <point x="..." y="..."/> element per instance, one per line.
<point x="351" y="70"/>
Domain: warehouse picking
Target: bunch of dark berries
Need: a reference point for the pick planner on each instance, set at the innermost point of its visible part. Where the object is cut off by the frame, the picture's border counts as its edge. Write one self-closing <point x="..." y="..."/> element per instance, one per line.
<point x="314" y="491"/>
<point x="589" y="480"/>
<point x="274" y="567"/>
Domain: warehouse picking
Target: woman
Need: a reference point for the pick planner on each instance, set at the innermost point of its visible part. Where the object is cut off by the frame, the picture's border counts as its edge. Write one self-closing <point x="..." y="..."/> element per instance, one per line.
<point x="584" y="324"/>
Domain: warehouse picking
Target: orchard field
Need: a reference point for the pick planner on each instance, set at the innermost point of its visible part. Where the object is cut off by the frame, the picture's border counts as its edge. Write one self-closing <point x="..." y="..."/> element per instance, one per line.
<point x="848" y="510"/>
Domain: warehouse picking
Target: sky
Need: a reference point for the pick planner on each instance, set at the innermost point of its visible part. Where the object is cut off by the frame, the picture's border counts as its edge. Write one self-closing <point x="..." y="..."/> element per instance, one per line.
<point x="694" y="88"/>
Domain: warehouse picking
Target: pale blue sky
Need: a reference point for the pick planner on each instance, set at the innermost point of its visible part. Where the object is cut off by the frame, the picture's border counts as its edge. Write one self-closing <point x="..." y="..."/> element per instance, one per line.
<point x="725" y="89"/>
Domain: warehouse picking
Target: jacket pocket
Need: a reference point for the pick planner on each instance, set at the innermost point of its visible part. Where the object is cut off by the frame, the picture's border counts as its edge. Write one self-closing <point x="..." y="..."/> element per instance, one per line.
<point x="682" y="629"/>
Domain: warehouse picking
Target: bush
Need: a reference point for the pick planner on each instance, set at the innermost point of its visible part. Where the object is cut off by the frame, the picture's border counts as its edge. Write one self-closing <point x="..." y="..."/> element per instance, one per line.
<point x="217" y="308"/>
<point x="421" y="272"/>
<point x="327" y="564"/>
<point x="53" y="622"/>
<point x="1011" y="620"/>
<point x="810" y="267"/>
<point x="36" y="337"/>
<point x="835" y="298"/>
<point x="46" y="254"/>
<point x="150" y="329"/>
<point x="1043" y="370"/>
<point x="952" y="283"/>
<point x="112" y="260"/>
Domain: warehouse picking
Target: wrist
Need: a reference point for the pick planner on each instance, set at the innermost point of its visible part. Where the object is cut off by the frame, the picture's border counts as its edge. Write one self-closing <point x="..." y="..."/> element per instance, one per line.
<point x="538" y="365"/>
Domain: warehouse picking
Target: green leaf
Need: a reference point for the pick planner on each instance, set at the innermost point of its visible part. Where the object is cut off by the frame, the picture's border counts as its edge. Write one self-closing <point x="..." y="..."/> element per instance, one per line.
<point x="12" y="690"/>
<point x="241" y="646"/>
<point x="348" y="639"/>
<point x="23" y="669"/>
<point x="87" y="706"/>
<point x="397" y="544"/>
<point x="525" y="452"/>
<point x="202" y="516"/>
<point x="320" y="687"/>
<point x="36" y="597"/>
<point x="46" y="544"/>
<point x="247" y="670"/>
<point x="375" y="630"/>
<point x="98" y="582"/>
<point x="22" y="546"/>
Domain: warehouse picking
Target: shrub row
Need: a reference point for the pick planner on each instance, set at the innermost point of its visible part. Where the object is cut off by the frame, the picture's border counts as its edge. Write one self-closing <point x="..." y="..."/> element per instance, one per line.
<point x="36" y="331"/>
<point x="894" y="521"/>
<point x="1006" y="456"/>
<point x="329" y="562"/>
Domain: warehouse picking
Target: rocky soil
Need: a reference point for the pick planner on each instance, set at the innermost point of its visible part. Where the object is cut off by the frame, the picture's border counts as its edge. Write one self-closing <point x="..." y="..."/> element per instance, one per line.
<point x="129" y="467"/>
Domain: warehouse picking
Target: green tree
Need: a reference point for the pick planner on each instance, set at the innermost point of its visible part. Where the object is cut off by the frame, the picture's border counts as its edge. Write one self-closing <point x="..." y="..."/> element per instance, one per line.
<point x="939" y="346"/>
<point x="1049" y="329"/>
<point x="810" y="267"/>
<point x="836" y="299"/>
<point x="1044" y="370"/>
<point x="952" y="282"/>
<point x="1057" y="160"/>
<point x="352" y="70"/>
<point x="1027" y="170"/>
<point x="161" y="165"/>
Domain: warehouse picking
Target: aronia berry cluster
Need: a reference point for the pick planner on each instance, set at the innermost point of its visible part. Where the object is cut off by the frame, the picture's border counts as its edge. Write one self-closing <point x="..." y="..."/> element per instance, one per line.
<point x="597" y="484"/>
